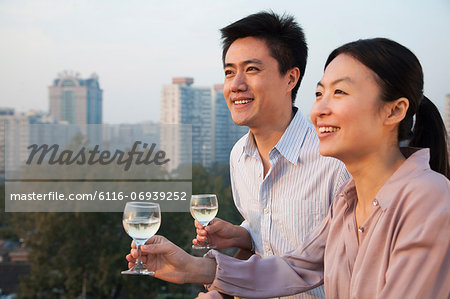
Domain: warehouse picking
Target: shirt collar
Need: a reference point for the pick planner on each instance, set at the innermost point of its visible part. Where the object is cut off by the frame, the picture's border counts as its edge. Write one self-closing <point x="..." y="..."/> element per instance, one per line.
<point x="249" y="147"/>
<point x="292" y="140"/>
<point x="289" y="144"/>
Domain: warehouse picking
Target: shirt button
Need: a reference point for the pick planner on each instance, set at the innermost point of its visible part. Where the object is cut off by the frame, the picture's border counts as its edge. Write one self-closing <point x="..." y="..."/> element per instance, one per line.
<point x="361" y="229"/>
<point x="268" y="249"/>
<point x="266" y="211"/>
<point x="375" y="203"/>
<point x="259" y="175"/>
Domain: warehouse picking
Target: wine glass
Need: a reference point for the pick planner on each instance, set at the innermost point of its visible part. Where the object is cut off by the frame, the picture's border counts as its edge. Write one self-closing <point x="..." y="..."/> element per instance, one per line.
<point x="204" y="208"/>
<point x="141" y="221"/>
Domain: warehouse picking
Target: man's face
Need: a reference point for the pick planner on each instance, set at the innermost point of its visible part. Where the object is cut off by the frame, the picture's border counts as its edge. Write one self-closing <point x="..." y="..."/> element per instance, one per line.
<point x="256" y="93"/>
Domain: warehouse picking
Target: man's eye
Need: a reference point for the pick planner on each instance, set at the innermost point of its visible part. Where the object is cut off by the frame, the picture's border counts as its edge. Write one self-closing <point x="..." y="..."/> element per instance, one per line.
<point x="318" y="94"/>
<point x="252" y="68"/>
<point x="228" y="72"/>
<point x="338" y="91"/>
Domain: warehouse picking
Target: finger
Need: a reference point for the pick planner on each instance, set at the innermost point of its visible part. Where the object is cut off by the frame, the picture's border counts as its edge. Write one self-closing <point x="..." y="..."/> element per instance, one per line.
<point x="217" y="224"/>
<point x="216" y="220"/>
<point x="157" y="239"/>
<point x="163" y="248"/>
<point x="134" y="253"/>
<point x="130" y="258"/>
<point x="214" y="295"/>
<point x="130" y="265"/>
<point x="194" y="241"/>
<point x="211" y="229"/>
<point x="133" y="245"/>
<point x="201" y="238"/>
<point x="197" y="224"/>
<point x="201" y="232"/>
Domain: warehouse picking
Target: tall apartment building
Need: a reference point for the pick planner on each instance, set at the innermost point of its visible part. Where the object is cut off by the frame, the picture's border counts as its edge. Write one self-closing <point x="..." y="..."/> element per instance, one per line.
<point x="225" y="131"/>
<point x="183" y="104"/>
<point x="76" y="101"/>
<point x="205" y="109"/>
<point x="20" y="130"/>
<point x="14" y="136"/>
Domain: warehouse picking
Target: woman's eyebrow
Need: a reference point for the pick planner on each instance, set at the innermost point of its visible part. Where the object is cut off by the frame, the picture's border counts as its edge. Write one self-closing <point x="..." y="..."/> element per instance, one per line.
<point x="347" y="79"/>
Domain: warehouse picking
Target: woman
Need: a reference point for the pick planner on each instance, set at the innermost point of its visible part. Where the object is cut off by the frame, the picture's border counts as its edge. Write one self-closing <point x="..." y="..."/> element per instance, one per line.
<point x="387" y="235"/>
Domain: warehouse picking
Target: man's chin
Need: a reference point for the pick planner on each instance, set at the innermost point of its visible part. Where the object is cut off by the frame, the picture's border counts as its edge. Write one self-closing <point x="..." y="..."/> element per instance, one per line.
<point x="240" y="122"/>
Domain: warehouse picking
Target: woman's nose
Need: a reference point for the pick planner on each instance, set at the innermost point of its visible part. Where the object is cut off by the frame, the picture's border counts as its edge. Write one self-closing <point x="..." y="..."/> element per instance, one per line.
<point x="320" y="109"/>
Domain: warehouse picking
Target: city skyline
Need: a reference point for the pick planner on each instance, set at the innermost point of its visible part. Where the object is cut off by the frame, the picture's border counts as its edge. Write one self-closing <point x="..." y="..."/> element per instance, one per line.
<point x="137" y="47"/>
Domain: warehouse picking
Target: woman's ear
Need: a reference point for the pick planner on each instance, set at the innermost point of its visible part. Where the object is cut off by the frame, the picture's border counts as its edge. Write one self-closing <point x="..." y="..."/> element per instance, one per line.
<point x="396" y="111"/>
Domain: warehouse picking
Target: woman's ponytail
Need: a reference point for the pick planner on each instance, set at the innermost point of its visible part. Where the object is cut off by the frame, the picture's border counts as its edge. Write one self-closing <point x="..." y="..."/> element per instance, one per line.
<point x="429" y="131"/>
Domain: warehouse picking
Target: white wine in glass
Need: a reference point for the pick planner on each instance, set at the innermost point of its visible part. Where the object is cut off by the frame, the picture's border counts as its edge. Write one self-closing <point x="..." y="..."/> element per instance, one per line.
<point x="141" y="220"/>
<point x="204" y="208"/>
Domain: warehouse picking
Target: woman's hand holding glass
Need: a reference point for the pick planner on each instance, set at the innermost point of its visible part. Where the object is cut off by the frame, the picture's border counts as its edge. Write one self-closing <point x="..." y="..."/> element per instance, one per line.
<point x="171" y="263"/>
<point x="141" y="221"/>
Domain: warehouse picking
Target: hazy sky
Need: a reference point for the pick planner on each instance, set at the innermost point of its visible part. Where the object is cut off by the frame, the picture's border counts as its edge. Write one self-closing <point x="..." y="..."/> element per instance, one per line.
<point x="137" y="46"/>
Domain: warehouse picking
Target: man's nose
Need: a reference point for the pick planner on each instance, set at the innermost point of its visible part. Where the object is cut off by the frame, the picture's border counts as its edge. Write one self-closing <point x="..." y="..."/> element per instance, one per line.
<point x="239" y="83"/>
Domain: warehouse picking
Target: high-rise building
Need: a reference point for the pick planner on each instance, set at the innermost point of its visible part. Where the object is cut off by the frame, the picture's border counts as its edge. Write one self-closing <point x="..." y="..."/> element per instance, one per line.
<point x="14" y="135"/>
<point x="225" y="131"/>
<point x="18" y="130"/>
<point x="205" y="109"/>
<point x="76" y="101"/>
<point x="183" y="104"/>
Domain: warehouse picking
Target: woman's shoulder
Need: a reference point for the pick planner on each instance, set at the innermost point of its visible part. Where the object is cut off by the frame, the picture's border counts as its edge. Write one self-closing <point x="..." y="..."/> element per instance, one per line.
<point x="425" y="194"/>
<point x="416" y="175"/>
<point x="431" y="183"/>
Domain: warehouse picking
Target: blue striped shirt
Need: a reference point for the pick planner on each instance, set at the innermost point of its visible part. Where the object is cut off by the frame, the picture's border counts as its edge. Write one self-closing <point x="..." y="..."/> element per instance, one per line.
<point x="281" y="208"/>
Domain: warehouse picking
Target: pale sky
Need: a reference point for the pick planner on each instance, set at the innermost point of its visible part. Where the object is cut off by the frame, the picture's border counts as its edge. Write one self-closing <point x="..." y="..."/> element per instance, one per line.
<point x="137" y="46"/>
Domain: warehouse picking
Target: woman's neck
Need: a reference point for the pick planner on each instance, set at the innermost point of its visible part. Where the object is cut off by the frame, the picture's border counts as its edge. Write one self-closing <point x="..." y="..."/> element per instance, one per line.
<point x="372" y="171"/>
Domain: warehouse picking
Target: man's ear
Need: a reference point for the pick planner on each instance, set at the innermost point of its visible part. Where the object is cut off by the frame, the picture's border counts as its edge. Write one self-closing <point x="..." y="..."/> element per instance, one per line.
<point x="396" y="111"/>
<point x="293" y="75"/>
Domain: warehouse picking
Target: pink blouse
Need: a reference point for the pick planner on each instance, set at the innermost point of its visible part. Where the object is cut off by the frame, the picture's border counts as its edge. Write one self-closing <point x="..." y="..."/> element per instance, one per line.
<point x="404" y="250"/>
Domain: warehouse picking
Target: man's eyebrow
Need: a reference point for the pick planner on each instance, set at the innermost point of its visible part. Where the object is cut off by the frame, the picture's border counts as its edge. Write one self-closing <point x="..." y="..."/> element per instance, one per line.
<point x="249" y="61"/>
<point x="347" y="79"/>
<point x="254" y="60"/>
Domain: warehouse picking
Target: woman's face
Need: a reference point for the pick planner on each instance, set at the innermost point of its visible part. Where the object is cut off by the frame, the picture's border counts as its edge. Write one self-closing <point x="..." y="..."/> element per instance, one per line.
<point x="348" y="111"/>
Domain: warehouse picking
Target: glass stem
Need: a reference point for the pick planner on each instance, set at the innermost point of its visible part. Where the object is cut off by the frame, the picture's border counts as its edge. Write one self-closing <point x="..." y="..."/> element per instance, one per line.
<point x="205" y="243"/>
<point x="138" y="260"/>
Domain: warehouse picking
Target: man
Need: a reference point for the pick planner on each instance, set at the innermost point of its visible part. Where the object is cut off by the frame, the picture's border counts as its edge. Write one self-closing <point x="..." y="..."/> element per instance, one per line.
<point x="281" y="185"/>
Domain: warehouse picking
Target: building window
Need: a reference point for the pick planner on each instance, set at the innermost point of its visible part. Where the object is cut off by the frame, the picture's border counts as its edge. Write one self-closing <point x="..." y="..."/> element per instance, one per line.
<point x="67" y="83"/>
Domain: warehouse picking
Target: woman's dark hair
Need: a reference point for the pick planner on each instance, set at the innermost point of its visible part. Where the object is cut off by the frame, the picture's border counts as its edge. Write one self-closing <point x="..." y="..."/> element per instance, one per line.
<point x="283" y="36"/>
<point x="399" y="74"/>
